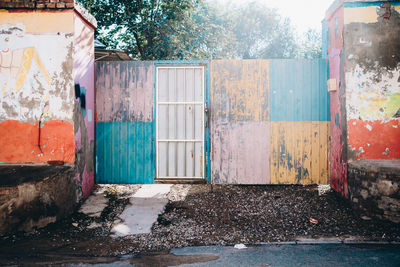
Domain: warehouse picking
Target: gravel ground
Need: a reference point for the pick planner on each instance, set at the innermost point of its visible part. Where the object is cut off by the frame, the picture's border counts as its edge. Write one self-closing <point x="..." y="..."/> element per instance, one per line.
<point x="204" y="215"/>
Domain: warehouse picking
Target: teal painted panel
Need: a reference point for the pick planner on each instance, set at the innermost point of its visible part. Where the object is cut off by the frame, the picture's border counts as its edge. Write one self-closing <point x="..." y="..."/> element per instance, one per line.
<point x="124" y="153"/>
<point x="298" y="90"/>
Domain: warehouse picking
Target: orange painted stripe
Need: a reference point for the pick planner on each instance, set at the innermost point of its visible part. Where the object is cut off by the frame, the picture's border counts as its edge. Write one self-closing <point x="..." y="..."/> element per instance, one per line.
<point x="19" y="142"/>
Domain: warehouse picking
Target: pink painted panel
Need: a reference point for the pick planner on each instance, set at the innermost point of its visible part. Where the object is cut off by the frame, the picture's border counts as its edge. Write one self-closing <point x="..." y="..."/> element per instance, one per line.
<point x="240" y="153"/>
<point x="125" y="91"/>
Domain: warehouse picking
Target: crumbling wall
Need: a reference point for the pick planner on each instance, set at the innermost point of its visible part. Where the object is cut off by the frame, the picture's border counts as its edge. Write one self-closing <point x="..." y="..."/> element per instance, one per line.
<point x="336" y="53"/>
<point x="84" y="112"/>
<point x="45" y="195"/>
<point x="36" y="87"/>
<point x="372" y="41"/>
<point x="374" y="187"/>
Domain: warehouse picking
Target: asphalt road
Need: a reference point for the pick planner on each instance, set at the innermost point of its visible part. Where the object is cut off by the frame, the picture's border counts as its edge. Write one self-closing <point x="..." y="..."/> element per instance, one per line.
<point x="270" y="255"/>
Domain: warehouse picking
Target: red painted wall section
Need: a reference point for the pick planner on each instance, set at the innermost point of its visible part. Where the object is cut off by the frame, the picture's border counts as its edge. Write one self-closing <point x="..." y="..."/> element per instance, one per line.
<point x="56" y="142"/>
<point x="338" y="117"/>
<point x="375" y="139"/>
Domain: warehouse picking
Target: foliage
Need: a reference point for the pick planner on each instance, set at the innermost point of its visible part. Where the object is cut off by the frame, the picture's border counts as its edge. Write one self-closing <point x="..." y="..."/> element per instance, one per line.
<point x="261" y="32"/>
<point x="196" y="29"/>
<point x="311" y="45"/>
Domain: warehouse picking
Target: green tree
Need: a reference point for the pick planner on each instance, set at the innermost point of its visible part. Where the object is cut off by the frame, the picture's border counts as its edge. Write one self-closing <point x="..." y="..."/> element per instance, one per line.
<point x="147" y="29"/>
<point x="310" y="45"/>
<point x="262" y="33"/>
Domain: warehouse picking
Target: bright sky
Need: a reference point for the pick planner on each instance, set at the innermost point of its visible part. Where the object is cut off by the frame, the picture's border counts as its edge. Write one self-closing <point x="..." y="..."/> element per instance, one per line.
<point x="303" y="14"/>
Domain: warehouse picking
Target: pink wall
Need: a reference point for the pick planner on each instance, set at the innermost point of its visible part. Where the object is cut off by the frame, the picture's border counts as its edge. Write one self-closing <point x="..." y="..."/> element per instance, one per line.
<point x="84" y="118"/>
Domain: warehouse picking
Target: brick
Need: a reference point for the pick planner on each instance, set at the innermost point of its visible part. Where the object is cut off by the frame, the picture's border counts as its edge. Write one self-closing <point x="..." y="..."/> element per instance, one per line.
<point x="69" y="5"/>
<point x="40" y="5"/>
<point x="51" y="5"/>
<point x="60" y="5"/>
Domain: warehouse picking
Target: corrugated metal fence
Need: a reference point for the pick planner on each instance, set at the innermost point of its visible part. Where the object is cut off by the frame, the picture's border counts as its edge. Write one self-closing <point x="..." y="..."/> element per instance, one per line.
<point x="269" y="122"/>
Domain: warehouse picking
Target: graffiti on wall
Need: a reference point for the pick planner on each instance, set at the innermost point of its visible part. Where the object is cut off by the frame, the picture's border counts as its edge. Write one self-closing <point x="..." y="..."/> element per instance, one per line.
<point x="36" y="96"/>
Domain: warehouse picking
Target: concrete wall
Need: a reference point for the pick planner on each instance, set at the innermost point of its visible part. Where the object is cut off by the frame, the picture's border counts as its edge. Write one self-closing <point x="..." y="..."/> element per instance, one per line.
<point x="364" y="59"/>
<point x="46" y="111"/>
<point x="36" y="87"/>
<point x="372" y="74"/>
<point x="84" y="104"/>
<point x="363" y="48"/>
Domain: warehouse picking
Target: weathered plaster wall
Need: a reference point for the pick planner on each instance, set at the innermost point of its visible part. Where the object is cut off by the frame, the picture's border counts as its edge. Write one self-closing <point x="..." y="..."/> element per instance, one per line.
<point x="372" y="73"/>
<point x="84" y="113"/>
<point x="336" y="53"/>
<point x="36" y="86"/>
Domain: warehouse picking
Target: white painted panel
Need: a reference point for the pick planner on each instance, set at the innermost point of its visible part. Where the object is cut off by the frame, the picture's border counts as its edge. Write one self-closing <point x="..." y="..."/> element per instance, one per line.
<point x="189" y="122"/>
<point x="171" y="86"/>
<point x="180" y="98"/>
<point x="163" y="122"/>
<point x="163" y="85"/>
<point x="172" y="159"/>
<point x="189" y="85"/>
<point x="180" y="84"/>
<point x="198" y="84"/>
<point x="180" y="162"/>
<point x="198" y="122"/>
<point x="198" y="154"/>
<point x="162" y="159"/>
<point x="189" y="159"/>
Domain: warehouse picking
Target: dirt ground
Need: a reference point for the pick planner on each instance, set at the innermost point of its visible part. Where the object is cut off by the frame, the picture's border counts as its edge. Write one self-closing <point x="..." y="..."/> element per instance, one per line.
<point x="208" y="215"/>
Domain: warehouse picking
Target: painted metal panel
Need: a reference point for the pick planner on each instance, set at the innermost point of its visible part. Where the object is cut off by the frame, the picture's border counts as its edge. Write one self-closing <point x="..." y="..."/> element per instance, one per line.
<point x="240" y="153"/>
<point x="124" y="106"/>
<point x="239" y="121"/>
<point x="298" y="90"/>
<point x="125" y="91"/>
<point x="240" y="90"/>
<point x="180" y="122"/>
<point x="124" y="152"/>
<point x="299" y="152"/>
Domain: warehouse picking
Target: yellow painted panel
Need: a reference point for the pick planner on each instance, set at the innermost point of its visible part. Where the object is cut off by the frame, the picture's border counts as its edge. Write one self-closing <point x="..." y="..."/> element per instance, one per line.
<point x="240" y="89"/>
<point x="299" y="152"/>
<point x="360" y="14"/>
<point x="40" y="21"/>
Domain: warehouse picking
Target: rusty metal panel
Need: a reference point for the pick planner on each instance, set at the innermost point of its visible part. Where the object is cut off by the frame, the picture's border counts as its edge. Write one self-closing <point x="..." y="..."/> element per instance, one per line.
<point x="299" y="152"/>
<point x="240" y="90"/>
<point x="125" y="91"/>
<point x="240" y="153"/>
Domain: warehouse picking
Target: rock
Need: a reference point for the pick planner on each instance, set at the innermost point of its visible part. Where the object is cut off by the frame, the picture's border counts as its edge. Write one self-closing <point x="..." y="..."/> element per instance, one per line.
<point x="240" y="246"/>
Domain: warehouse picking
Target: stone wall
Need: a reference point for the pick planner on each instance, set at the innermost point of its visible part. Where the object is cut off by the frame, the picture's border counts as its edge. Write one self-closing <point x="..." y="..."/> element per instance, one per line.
<point x="33" y="196"/>
<point x="374" y="187"/>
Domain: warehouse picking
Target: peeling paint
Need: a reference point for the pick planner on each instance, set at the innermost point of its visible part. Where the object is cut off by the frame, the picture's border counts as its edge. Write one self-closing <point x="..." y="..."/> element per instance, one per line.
<point x="299" y="152"/>
<point x="241" y="89"/>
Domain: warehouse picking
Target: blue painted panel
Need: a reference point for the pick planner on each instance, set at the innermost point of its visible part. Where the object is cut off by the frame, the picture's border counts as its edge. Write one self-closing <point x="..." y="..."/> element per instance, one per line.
<point x="325" y="41"/>
<point x="124" y="152"/>
<point x="371" y="3"/>
<point x="298" y="90"/>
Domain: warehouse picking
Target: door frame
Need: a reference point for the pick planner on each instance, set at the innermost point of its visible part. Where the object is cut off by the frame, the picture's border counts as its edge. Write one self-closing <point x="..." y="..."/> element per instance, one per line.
<point x="207" y="117"/>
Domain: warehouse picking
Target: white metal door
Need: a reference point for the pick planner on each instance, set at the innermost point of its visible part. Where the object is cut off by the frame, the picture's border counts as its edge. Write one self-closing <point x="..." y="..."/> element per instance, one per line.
<point x="180" y="122"/>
